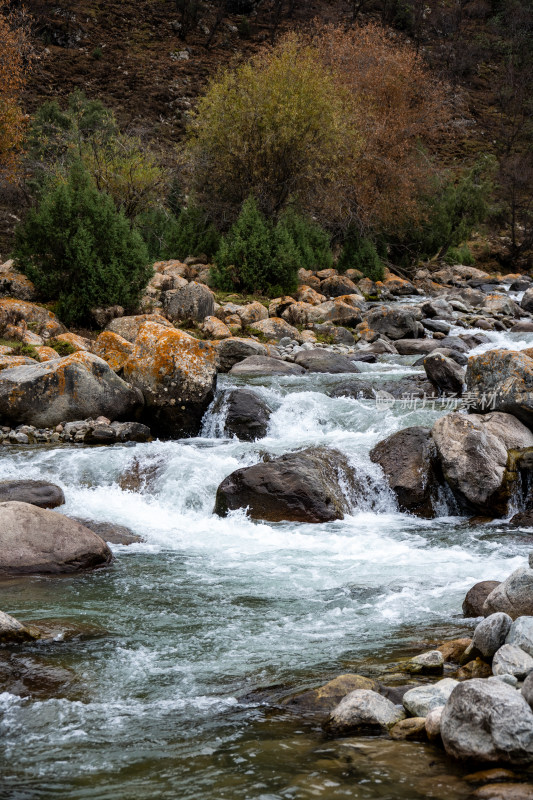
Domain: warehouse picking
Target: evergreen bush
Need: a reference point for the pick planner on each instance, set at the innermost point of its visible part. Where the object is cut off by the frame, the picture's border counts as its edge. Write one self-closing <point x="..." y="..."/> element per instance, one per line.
<point x="80" y="251"/>
<point x="360" y="253"/>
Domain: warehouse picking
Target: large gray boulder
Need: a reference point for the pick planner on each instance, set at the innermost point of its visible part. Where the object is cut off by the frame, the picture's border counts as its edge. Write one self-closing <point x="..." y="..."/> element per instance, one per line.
<point x="319" y="360"/>
<point x="176" y="374"/>
<point x="407" y="458"/>
<point x="193" y="302"/>
<point x="473" y="453"/>
<point x="299" y="487"/>
<point x="521" y="634"/>
<point x="396" y="322"/>
<point x="363" y="711"/>
<point x="511" y="660"/>
<point x="35" y="541"/>
<point x="447" y="376"/>
<point x="476" y="596"/>
<point x="487" y="721"/>
<point x="231" y="351"/>
<point x="502" y="380"/>
<point x="75" y="387"/>
<point x="420" y="700"/>
<point x="491" y="633"/>
<point x="37" y="493"/>
<point x="257" y="366"/>
<point x="416" y="347"/>
<point x="514" y="595"/>
<point x="246" y="415"/>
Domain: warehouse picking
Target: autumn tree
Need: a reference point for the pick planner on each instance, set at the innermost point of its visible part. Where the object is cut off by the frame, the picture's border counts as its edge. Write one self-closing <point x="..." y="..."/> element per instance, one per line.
<point x="14" y="57"/>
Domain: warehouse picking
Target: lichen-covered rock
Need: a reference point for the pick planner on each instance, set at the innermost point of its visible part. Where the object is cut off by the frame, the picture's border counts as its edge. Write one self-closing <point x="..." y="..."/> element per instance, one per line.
<point x="306" y="294"/>
<point x="408" y="458"/>
<point x="114" y="349"/>
<point x="299" y="313"/>
<point x="75" y="387"/>
<point x="298" y="487"/>
<point x="46" y="353"/>
<point x="502" y="380"/>
<point x="398" y="322"/>
<point x="75" y="341"/>
<point x="8" y="362"/>
<point x="39" y="320"/>
<point x="274" y="328"/>
<point x="488" y="721"/>
<point x="128" y="327"/>
<point x="363" y="711"/>
<point x="215" y="328"/>
<point x="36" y="541"/>
<point x="338" y="285"/>
<point x="176" y="374"/>
<point x="251" y="312"/>
<point x="473" y="453"/>
<point x="14" y="284"/>
<point x="337" y="311"/>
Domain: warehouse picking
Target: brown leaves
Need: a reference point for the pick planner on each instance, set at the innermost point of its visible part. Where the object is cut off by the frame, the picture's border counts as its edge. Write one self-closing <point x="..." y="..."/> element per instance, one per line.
<point x="14" y="61"/>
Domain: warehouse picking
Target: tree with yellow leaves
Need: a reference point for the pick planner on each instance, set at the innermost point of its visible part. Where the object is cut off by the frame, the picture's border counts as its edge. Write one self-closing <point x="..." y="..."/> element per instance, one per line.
<point x="14" y="55"/>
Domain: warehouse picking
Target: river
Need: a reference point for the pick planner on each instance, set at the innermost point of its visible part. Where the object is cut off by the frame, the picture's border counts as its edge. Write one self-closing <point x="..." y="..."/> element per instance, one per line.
<point x="208" y="619"/>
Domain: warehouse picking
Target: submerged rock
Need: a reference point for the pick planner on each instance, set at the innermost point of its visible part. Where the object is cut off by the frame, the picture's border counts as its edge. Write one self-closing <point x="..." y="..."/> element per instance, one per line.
<point x="11" y="630"/>
<point x="34" y="541"/>
<point x="110" y="531"/>
<point x="37" y="493"/>
<point x="488" y="721"/>
<point x="326" y="697"/>
<point x="298" y="487"/>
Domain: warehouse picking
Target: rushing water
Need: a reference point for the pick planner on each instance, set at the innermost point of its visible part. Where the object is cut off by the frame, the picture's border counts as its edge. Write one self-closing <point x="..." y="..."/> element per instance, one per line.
<point x="205" y="612"/>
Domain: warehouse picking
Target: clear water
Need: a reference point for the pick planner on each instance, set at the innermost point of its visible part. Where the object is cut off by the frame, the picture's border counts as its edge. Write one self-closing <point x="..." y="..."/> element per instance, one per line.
<point x="206" y="612"/>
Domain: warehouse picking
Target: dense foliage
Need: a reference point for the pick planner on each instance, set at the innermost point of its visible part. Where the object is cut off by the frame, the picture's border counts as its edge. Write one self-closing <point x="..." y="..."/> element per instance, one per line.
<point x="14" y="59"/>
<point x="80" y="251"/>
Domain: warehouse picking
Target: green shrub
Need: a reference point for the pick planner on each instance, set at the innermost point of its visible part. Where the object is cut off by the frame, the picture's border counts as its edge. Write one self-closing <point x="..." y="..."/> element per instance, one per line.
<point x="460" y="255"/>
<point x="80" y="251"/>
<point x="61" y="347"/>
<point x="190" y="234"/>
<point x="312" y="242"/>
<point x="256" y="256"/>
<point x="360" y="253"/>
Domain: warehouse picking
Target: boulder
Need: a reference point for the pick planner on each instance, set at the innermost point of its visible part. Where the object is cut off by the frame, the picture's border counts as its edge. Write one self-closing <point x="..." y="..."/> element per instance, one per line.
<point x="487" y="721"/>
<point x="193" y="302"/>
<point x="501" y="304"/>
<point x="320" y="360"/>
<point x="23" y="315"/>
<point x="455" y="343"/>
<point x="257" y="366"/>
<point x="473" y="454"/>
<point x="215" y="328"/>
<point x="476" y="596"/>
<point x="527" y="301"/>
<point x="511" y="660"/>
<point x="78" y="386"/>
<point x="502" y="380"/>
<point x="12" y="631"/>
<point x="308" y="295"/>
<point x="232" y="351"/>
<point x="37" y="493"/>
<point x="76" y="342"/>
<point x="453" y="650"/>
<point x="416" y="347"/>
<point x="338" y="312"/>
<point x="395" y="322"/>
<point x="299" y="313"/>
<point x="14" y="284"/>
<point x="477" y="668"/>
<point x="110" y="531"/>
<point x="490" y="633"/>
<point x="299" y="487"/>
<point x="514" y="595"/>
<point x="129" y="327"/>
<point x="412" y="728"/>
<point x="363" y="711"/>
<point x="9" y="362"/>
<point x="407" y="458"/>
<point x="274" y="328"/>
<point x="425" y="663"/>
<point x="251" y="312"/>
<point x="521" y="634"/>
<point x="246" y="415"/>
<point x="436" y="326"/>
<point x="447" y="376"/>
<point x="326" y="697"/>
<point x="433" y="723"/>
<point x="420" y="700"/>
<point x="504" y="791"/>
<point x="36" y="541"/>
<point x="338" y="285"/>
<point x="176" y="374"/>
<point x="527" y="689"/>
<point x="114" y="349"/>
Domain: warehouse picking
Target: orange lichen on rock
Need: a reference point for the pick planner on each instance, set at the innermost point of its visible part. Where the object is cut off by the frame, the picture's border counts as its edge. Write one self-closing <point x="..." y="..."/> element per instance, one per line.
<point x="113" y="348"/>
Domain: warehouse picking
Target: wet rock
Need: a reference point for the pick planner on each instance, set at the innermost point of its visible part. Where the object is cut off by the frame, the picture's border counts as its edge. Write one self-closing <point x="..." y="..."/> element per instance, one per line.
<point x="412" y="728"/>
<point x="473" y="454"/>
<point x="274" y="328"/>
<point x="453" y="651"/>
<point x="11" y="630"/>
<point x="395" y="322"/>
<point x="432" y="723"/>
<point x="504" y="791"/>
<point x="473" y="669"/>
<point x="298" y="487"/>
<point x="232" y="351"/>
<point x="35" y="541"/>
<point x="447" y="376"/>
<point x="420" y="700"/>
<point x="247" y="415"/>
<point x="324" y="699"/>
<point x="128" y="327"/>
<point x="363" y="711"/>
<point x="500" y="304"/>
<point x="32" y="676"/>
<point x="325" y="361"/>
<point x="114" y="349"/>
<point x="524" y="519"/>
<point x="193" y="302"/>
<point x="256" y="366"/>
<point x="37" y="493"/>
<point x="514" y="595"/>
<point x="506" y="378"/>
<point x="110" y="531"/>
<point x="176" y="374"/>
<point x="78" y="386"/>
<point x="511" y="660"/>
<point x="487" y="721"/>
<point x="527" y="300"/>
<point x="521" y="634"/>
<point x="437" y="326"/>
<point x="490" y="776"/>
<point x="429" y="662"/>
<point x="131" y="432"/>
<point x="407" y="459"/>
<point x="490" y="634"/>
<point x="476" y="596"/>
<point x="524" y="326"/>
<point x="415" y="347"/>
<point x="454" y="343"/>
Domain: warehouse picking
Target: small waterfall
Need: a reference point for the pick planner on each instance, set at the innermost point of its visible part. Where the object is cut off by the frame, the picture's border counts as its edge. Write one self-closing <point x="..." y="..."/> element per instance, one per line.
<point x="215" y="417"/>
